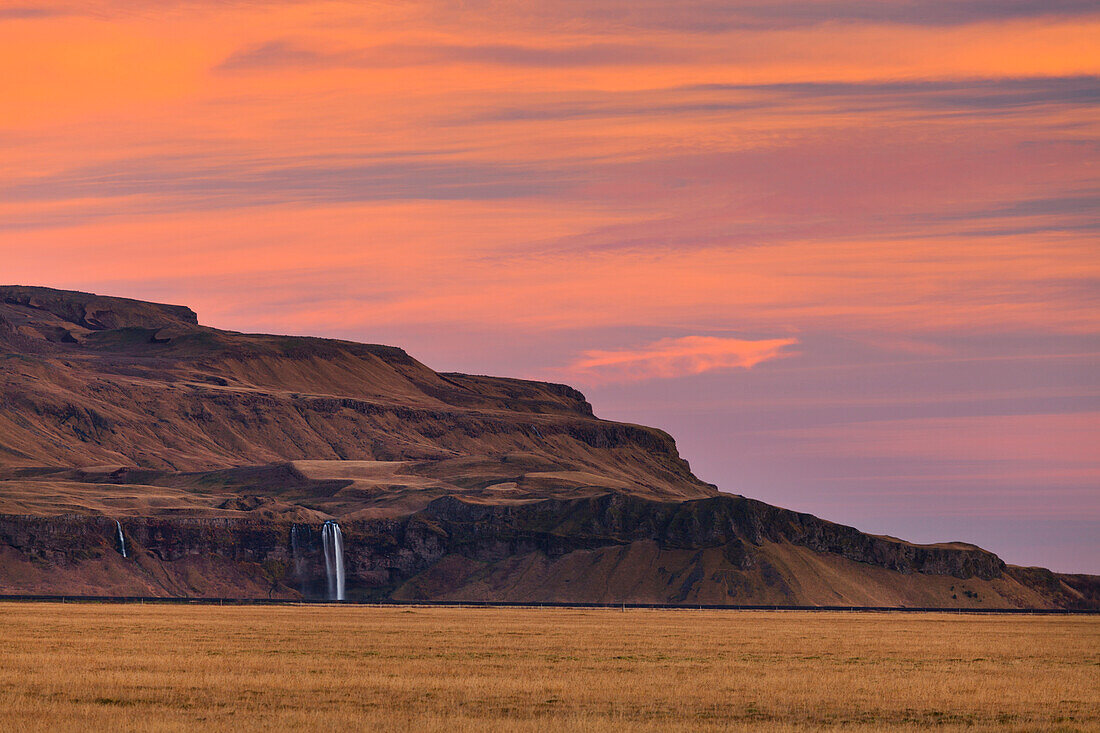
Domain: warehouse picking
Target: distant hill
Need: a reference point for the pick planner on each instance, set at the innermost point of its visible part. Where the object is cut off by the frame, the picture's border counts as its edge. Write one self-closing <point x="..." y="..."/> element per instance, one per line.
<point x="216" y="458"/>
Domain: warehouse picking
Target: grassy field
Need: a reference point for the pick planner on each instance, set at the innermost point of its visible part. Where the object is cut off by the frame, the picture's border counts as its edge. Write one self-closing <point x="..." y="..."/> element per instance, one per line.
<point x="125" y="667"/>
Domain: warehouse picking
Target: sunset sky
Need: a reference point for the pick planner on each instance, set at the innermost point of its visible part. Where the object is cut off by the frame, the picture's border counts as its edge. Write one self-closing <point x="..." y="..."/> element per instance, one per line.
<point x="846" y="252"/>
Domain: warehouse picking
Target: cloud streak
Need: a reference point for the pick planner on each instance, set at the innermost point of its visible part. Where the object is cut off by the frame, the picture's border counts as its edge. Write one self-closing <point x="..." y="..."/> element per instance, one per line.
<point x="699" y="16"/>
<point x="288" y="54"/>
<point x="27" y="13"/>
<point x="217" y="183"/>
<point x="676" y="357"/>
<point x="716" y="16"/>
<point x="813" y="99"/>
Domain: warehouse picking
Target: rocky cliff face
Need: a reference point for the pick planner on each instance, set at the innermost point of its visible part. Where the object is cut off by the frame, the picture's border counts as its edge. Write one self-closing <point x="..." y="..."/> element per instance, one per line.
<point x="384" y="554"/>
<point x="222" y="454"/>
<point x="610" y="548"/>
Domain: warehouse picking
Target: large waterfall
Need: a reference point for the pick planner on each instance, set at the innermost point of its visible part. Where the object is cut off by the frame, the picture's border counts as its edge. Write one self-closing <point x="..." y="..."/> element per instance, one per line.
<point x="333" y="540"/>
<point x="121" y="539"/>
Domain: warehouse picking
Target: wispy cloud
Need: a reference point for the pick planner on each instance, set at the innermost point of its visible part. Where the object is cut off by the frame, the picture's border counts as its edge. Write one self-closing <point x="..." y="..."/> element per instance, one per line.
<point x="676" y="357"/>
<point x="28" y="12"/>
<point x="701" y="16"/>
<point x="715" y="16"/>
<point x="218" y="183"/>
<point x="290" y="54"/>
<point x="915" y="98"/>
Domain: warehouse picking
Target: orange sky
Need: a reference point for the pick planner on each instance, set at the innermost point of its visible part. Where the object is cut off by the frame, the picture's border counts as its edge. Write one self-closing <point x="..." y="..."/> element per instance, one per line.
<point x="845" y="251"/>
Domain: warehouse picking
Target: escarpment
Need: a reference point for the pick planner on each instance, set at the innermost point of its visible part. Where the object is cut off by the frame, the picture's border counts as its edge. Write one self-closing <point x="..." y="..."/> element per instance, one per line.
<point x="218" y="459"/>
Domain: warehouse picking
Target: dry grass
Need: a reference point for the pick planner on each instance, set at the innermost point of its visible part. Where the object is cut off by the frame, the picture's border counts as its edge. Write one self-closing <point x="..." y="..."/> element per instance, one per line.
<point x="107" y="667"/>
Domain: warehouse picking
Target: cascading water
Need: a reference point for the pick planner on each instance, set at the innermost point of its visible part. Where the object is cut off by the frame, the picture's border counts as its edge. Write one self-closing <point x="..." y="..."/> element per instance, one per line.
<point x="296" y="554"/>
<point x="333" y="540"/>
<point x="301" y="545"/>
<point x="121" y="539"/>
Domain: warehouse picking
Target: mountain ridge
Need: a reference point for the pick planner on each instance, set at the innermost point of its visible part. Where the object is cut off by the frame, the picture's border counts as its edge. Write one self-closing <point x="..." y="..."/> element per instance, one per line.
<point x="448" y="485"/>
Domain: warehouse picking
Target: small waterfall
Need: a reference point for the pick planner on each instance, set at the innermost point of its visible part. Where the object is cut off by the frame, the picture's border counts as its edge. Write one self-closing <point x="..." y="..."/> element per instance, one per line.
<point x="121" y="539"/>
<point x="299" y="544"/>
<point x="333" y="540"/>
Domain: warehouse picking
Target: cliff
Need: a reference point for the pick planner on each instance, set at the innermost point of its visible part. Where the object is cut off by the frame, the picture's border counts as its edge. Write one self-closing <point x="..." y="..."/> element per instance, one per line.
<point x="222" y="454"/>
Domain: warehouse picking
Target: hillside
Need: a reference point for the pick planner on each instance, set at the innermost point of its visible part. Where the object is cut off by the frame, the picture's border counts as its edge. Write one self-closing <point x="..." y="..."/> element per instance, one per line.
<point x="216" y="458"/>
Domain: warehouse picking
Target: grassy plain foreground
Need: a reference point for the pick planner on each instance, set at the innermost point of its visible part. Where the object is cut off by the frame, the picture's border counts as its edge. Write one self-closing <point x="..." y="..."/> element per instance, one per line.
<point x="126" y="667"/>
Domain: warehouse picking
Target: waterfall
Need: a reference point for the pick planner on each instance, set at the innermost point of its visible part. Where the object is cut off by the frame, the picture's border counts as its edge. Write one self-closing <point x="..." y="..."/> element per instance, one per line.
<point x="333" y="540"/>
<point x="299" y="544"/>
<point x="121" y="539"/>
<point x="295" y="549"/>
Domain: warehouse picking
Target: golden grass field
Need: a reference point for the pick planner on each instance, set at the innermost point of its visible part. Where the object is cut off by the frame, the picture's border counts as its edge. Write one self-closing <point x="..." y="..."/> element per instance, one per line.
<point x="126" y="667"/>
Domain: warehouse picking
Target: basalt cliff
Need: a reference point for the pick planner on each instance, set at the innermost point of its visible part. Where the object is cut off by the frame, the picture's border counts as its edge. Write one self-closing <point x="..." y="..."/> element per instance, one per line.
<point x="144" y="454"/>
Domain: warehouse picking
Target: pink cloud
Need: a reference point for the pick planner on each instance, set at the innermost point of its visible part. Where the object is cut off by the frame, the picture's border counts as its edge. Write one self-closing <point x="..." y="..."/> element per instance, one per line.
<point x="675" y="357"/>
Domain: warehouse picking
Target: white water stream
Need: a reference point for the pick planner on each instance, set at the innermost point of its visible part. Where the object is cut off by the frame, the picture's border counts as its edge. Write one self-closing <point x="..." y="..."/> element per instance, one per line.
<point x="121" y="539"/>
<point x="333" y="541"/>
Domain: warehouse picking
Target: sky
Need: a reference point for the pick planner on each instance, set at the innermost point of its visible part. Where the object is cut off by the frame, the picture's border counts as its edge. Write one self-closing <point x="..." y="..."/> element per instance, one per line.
<point x="844" y="251"/>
